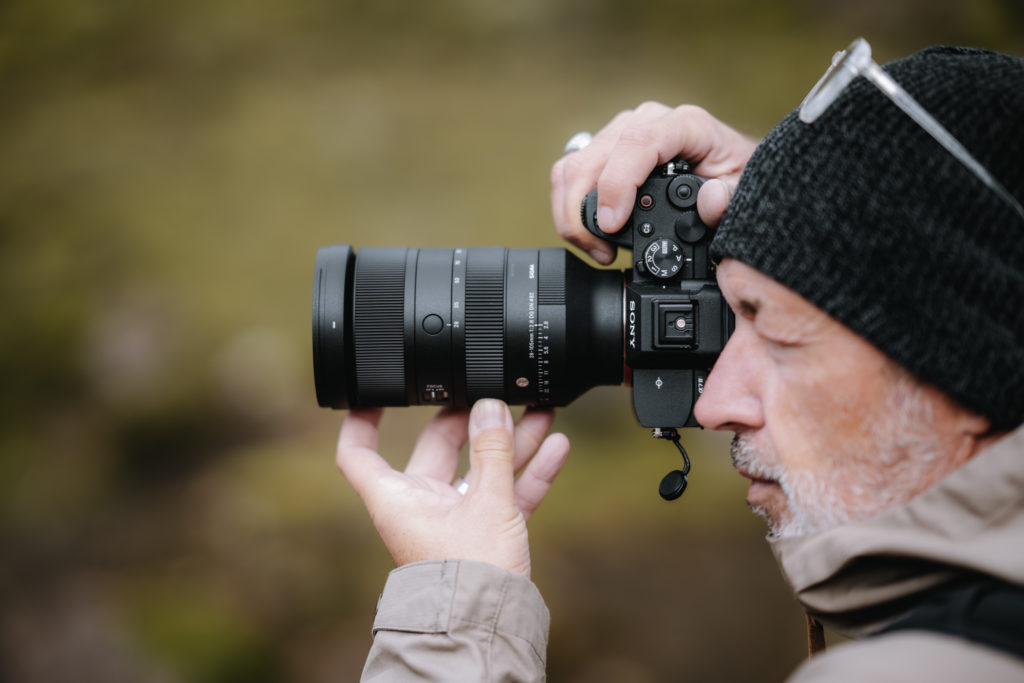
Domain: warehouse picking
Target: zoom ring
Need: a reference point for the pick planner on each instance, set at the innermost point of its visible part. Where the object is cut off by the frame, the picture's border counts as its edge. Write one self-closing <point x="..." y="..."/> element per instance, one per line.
<point x="485" y="323"/>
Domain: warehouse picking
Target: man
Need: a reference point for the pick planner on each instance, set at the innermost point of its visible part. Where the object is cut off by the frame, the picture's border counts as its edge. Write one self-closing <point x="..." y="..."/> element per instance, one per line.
<point x="874" y="383"/>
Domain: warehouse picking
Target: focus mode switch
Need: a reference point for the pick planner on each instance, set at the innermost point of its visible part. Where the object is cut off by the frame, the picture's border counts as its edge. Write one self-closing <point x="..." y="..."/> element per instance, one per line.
<point x="676" y="325"/>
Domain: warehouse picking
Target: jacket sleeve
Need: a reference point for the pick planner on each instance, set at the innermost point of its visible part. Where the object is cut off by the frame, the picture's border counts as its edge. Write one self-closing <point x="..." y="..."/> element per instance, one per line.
<point x="458" y="620"/>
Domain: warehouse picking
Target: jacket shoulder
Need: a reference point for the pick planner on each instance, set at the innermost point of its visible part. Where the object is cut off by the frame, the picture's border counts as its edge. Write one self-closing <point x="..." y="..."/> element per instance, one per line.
<point x="908" y="656"/>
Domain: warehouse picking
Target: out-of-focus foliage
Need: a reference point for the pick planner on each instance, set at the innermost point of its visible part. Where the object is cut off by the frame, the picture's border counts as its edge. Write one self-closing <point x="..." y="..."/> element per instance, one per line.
<point x="169" y="509"/>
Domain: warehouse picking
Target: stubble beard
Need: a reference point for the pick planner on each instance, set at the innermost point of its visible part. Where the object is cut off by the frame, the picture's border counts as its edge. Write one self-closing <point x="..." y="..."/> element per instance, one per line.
<point x="812" y="503"/>
<point x="898" y="462"/>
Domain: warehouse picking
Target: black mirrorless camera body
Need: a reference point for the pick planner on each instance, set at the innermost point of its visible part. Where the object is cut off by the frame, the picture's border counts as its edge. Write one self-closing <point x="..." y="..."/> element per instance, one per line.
<point x="397" y="326"/>
<point x="675" y="319"/>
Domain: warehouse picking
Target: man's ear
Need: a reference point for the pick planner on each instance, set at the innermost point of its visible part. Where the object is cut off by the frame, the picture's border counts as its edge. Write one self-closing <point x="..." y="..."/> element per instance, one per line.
<point x="976" y="430"/>
<point x="971" y="432"/>
<point x="975" y="425"/>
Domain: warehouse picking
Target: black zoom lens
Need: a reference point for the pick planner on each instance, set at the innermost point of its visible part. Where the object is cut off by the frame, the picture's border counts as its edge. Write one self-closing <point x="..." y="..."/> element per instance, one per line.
<point x="395" y="326"/>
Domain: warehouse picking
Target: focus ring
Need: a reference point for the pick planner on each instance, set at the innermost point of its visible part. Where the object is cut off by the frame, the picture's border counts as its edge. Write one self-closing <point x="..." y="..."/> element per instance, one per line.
<point x="377" y="327"/>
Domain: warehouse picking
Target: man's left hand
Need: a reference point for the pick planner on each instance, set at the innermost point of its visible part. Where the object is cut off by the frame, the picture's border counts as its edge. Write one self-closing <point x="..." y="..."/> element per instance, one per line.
<point x="418" y="512"/>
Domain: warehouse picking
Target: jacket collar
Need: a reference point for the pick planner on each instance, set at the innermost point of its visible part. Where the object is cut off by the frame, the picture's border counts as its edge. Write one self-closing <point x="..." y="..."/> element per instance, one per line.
<point x="858" y="577"/>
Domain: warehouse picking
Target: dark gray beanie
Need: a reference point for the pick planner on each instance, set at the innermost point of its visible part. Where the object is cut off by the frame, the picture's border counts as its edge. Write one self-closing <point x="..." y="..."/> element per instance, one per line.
<point x="869" y="218"/>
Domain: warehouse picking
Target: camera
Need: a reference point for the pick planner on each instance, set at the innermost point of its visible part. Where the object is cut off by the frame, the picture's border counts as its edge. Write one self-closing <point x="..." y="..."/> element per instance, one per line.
<point x="676" y="321"/>
<point x="398" y="326"/>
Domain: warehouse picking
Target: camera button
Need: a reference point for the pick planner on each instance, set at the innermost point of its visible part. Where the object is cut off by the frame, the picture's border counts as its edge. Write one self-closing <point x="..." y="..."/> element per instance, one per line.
<point x="646" y="229"/>
<point x="646" y="201"/>
<point x="682" y="191"/>
<point x="433" y="324"/>
<point x="689" y="228"/>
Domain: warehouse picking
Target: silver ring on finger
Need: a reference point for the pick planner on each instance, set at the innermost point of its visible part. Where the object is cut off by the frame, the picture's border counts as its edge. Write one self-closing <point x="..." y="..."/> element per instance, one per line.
<point x="578" y="142"/>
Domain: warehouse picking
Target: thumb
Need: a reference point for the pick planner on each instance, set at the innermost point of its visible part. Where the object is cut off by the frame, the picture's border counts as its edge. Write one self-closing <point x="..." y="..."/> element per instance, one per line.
<point x="712" y="200"/>
<point x="492" y="447"/>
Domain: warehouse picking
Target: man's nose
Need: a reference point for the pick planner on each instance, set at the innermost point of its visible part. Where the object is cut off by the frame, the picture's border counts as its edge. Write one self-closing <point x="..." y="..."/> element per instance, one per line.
<point x="730" y="400"/>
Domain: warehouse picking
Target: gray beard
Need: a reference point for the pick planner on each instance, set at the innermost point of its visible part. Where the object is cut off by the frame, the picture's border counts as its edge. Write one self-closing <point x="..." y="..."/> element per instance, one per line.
<point x="812" y="501"/>
<point x="865" y="480"/>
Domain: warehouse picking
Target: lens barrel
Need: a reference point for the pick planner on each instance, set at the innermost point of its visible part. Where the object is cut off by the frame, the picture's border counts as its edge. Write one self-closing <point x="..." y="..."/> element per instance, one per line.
<point x="398" y="326"/>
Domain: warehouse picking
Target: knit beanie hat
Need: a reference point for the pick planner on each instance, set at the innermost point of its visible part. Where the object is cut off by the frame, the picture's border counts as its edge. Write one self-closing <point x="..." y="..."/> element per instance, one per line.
<point x="865" y="215"/>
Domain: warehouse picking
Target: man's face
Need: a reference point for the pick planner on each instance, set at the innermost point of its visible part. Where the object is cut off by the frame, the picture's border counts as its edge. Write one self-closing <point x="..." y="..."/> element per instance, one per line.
<point x="828" y="429"/>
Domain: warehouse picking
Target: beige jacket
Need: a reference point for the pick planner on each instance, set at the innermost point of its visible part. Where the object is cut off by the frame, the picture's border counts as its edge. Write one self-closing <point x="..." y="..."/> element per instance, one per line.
<point x="462" y="621"/>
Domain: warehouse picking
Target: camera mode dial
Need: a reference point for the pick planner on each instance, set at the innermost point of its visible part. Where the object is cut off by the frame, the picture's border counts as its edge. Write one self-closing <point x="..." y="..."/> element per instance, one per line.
<point x="664" y="259"/>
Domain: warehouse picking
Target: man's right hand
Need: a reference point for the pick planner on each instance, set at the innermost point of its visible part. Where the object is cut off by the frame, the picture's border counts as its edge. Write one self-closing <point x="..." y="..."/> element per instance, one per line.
<point x="624" y="153"/>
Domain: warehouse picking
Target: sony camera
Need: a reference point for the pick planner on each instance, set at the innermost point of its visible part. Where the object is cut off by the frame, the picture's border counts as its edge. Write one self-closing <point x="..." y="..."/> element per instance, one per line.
<point x="397" y="326"/>
<point x="675" y="320"/>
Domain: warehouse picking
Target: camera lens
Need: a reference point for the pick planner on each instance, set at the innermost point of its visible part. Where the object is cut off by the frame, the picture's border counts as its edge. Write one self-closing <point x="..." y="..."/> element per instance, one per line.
<point x="398" y="326"/>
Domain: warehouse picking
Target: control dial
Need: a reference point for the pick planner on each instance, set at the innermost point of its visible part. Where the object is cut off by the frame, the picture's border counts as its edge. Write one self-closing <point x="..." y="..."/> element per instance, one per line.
<point x="663" y="258"/>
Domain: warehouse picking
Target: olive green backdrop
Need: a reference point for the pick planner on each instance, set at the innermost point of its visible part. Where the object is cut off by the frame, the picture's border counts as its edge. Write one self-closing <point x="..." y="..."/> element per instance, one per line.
<point x="169" y="506"/>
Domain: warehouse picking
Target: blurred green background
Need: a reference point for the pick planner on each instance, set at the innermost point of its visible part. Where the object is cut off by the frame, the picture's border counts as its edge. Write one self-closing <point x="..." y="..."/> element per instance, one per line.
<point x="169" y="506"/>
